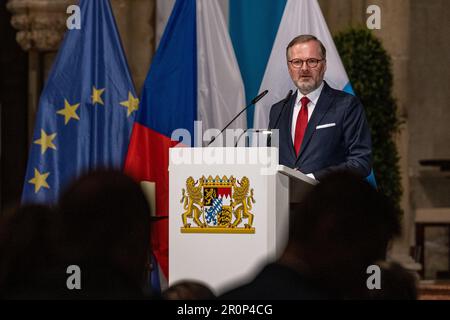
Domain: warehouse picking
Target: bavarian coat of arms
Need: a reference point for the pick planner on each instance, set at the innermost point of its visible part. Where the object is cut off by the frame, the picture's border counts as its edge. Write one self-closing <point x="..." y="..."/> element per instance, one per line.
<point x="217" y="205"/>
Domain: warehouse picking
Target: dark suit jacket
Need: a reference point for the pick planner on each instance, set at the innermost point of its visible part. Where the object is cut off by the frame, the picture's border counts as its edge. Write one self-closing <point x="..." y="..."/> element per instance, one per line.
<point x="346" y="145"/>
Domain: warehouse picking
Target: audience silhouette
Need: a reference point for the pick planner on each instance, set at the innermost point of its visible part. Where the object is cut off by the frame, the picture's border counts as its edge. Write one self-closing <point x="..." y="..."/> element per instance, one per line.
<point x="105" y="224"/>
<point x="101" y="226"/>
<point x="342" y="226"/>
<point x="188" y="290"/>
<point x="28" y="253"/>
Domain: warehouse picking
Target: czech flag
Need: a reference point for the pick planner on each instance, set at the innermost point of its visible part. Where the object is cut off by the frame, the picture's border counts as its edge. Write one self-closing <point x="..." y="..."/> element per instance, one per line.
<point x="194" y="76"/>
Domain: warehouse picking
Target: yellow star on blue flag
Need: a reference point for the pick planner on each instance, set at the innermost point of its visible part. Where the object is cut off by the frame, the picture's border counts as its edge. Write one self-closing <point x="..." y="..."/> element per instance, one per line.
<point x="46" y="141"/>
<point x="132" y="104"/>
<point x="69" y="111"/>
<point x="39" y="180"/>
<point x="97" y="95"/>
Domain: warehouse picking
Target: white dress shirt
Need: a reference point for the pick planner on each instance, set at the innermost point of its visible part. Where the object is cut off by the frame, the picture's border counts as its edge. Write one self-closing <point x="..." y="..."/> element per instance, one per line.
<point x="313" y="98"/>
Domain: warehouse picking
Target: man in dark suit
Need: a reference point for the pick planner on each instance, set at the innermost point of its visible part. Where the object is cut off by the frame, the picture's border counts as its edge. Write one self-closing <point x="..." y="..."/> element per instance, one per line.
<point x="321" y="130"/>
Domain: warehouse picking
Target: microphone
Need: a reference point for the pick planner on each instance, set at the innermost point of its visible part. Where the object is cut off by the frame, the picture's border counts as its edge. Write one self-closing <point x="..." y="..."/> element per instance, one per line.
<point x="285" y="100"/>
<point x="254" y="100"/>
<point x="258" y="97"/>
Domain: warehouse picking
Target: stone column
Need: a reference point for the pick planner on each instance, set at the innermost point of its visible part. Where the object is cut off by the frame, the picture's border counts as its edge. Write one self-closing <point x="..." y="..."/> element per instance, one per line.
<point x="341" y="14"/>
<point x="136" y="22"/>
<point x="428" y="119"/>
<point x="41" y="25"/>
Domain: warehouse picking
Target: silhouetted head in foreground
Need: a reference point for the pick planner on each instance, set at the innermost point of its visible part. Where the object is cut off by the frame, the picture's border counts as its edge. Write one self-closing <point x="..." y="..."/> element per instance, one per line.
<point x="188" y="290"/>
<point x="106" y="228"/>
<point x="27" y="240"/>
<point x="342" y="227"/>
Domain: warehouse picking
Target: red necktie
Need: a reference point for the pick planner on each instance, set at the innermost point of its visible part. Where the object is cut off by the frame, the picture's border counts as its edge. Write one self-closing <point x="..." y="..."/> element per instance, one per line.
<point x="302" y="122"/>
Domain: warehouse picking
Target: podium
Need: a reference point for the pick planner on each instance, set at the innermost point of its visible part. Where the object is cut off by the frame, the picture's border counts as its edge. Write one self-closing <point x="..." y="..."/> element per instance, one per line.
<point x="228" y="213"/>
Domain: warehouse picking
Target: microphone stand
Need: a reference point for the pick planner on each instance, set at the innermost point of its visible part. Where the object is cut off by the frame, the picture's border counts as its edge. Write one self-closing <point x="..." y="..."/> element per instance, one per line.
<point x="255" y="100"/>
<point x="285" y="101"/>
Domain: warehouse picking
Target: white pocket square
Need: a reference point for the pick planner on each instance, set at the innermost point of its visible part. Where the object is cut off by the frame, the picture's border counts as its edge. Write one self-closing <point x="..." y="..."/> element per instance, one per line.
<point x="323" y="126"/>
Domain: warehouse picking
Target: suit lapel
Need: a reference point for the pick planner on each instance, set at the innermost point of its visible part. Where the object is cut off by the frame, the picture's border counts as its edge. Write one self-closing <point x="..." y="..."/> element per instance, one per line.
<point x="323" y="104"/>
<point x="289" y="121"/>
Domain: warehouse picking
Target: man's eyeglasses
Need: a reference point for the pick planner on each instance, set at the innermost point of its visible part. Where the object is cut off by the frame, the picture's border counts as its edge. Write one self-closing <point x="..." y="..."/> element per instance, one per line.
<point x="298" y="63"/>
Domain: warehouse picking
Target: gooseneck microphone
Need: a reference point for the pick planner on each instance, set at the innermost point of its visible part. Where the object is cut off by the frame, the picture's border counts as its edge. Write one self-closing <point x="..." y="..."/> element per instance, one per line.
<point x="254" y="100"/>
<point x="285" y="101"/>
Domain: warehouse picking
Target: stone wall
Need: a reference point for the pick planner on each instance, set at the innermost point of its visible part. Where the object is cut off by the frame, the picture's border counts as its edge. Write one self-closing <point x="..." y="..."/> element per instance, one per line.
<point x="429" y="117"/>
<point x="136" y="22"/>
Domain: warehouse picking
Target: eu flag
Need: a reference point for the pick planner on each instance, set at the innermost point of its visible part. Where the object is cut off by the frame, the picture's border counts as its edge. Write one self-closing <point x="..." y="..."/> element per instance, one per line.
<point x="86" y="110"/>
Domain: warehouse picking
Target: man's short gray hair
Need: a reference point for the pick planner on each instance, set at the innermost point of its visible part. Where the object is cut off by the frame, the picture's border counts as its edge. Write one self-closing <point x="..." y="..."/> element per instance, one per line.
<point x="306" y="38"/>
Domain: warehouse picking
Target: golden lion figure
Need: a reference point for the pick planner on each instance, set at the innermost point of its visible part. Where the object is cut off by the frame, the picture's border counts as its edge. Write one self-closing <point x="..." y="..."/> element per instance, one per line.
<point x="242" y="203"/>
<point x="192" y="202"/>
